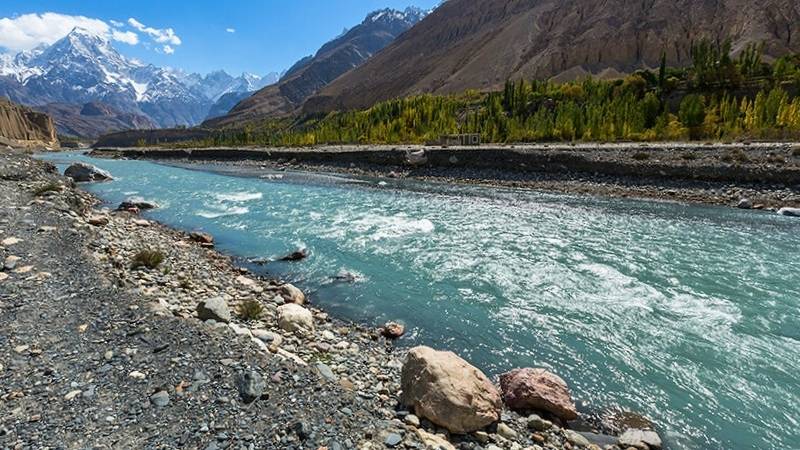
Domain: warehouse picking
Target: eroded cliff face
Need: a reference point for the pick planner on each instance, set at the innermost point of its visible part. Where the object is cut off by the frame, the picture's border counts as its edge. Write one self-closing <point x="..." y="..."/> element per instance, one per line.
<point x="21" y="127"/>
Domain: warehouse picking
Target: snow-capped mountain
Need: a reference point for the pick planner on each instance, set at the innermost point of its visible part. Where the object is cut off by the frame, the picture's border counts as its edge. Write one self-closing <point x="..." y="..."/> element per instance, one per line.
<point x="83" y="67"/>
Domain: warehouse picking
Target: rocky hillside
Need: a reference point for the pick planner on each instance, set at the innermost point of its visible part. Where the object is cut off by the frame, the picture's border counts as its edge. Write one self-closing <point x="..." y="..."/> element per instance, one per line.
<point x="22" y="127"/>
<point x="94" y="119"/>
<point x="311" y="74"/>
<point x="466" y="44"/>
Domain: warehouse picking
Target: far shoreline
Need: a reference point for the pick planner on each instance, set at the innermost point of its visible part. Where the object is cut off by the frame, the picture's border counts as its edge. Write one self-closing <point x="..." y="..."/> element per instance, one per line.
<point x="746" y="175"/>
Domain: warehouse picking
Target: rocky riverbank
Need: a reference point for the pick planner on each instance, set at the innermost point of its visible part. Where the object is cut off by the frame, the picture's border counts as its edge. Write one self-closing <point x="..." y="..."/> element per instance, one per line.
<point x="122" y="333"/>
<point x="765" y="175"/>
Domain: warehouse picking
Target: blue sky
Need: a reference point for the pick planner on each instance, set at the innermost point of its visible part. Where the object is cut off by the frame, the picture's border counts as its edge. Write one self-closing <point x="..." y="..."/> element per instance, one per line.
<point x="200" y="35"/>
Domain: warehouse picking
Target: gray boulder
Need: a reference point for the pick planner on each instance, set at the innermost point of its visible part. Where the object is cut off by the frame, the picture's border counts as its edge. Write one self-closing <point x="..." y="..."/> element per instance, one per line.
<point x="790" y="212"/>
<point x="85" y="173"/>
<point x="214" y="309"/>
<point x="137" y="203"/>
<point x="250" y="385"/>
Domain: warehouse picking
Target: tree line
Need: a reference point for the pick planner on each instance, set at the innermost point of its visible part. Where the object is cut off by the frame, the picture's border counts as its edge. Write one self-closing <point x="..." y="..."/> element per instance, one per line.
<point x="718" y="97"/>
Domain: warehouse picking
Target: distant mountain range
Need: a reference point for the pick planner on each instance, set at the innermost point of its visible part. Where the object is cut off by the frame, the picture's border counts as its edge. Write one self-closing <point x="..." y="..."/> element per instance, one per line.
<point x="469" y="44"/>
<point x="85" y="71"/>
<point x="312" y="73"/>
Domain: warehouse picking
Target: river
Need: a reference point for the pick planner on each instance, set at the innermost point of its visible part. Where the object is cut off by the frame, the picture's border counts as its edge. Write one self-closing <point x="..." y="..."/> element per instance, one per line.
<point x="687" y="314"/>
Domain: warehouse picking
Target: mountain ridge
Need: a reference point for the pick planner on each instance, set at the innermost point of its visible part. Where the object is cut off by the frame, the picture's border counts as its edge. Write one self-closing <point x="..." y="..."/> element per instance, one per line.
<point x="334" y="58"/>
<point x="84" y="67"/>
<point x="479" y="45"/>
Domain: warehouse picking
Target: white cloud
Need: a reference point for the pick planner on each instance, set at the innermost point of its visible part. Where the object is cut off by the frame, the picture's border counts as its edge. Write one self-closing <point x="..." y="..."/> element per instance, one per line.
<point x="162" y="36"/>
<point x="30" y="30"/>
<point x="117" y="24"/>
<point x="128" y="37"/>
<point x="168" y="50"/>
<point x="230" y="30"/>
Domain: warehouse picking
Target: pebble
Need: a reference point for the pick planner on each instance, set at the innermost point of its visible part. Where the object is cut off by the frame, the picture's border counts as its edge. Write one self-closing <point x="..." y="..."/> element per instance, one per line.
<point x="506" y="432"/>
<point x="250" y="385"/>
<point x="72" y="394"/>
<point x="412" y="420"/>
<point x="326" y="372"/>
<point x="393" y="439"/>
<point x="160" y="399"/>
<point x="136" y="375"/>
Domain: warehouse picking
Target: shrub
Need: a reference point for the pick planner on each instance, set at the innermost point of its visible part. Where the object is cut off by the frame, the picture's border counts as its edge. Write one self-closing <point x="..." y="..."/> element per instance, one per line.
<point x="250" y="310"/>
<point x="641" y="156"/>
<point x="148" y="258"/>
<point x="739" y="156"/>
<point x="49" y="187"/>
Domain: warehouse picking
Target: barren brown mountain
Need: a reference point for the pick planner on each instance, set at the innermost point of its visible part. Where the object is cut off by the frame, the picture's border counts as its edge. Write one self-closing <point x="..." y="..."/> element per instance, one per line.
<point x="479" y="44"/>
<point x="311" y="74"/>
<point x="22" y="127"/>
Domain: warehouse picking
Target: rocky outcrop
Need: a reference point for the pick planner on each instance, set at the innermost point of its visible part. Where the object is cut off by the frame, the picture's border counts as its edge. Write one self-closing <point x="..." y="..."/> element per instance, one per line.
<point x="24" y="128"/>
<point x="86" y="173"/>
<point x="448" y="391"/>
<point x="468" y="44"/>
<point x="537" y="389"/>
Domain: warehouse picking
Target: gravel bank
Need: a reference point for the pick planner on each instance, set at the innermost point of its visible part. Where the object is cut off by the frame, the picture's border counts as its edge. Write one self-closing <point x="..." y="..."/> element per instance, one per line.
<point x="97" y="354"/>
<point x="765" y="174"/>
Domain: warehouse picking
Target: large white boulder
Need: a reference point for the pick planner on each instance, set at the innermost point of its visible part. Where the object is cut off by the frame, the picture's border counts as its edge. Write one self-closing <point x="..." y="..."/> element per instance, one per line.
<point x="295" y="319"/>
<point x="448" y="391"/>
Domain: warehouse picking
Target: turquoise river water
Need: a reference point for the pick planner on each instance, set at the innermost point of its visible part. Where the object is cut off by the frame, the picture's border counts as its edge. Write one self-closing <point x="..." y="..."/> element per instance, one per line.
<point x="689" y="315"/>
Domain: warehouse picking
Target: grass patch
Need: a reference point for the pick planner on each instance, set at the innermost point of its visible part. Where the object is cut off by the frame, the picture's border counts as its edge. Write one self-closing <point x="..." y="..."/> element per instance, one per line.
<point x="739" y="156"/>
<point x="641" y="156"/>
<point x="251" y="310"/>
<point x="150" y="259"/>
<point x="49" y="187"/>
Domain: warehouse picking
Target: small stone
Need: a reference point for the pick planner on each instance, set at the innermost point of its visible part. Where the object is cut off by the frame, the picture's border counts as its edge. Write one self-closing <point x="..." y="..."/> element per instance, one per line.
<point x="744" y="204"/>
<point x="576" y="438"/>
<point x="393" y="330"/>
<point x="292" y="294"/>
<point x="9" y="241"/>
<point x="412" y="420"/>
<point x="3" y="276"/>
<point x="481" y="436"/>
<point x="136" y="375"/>
<point x="642" y="439"/>
<point x="506" y="432"/>
<point x="326" y="372"/>
<point x="109" y="355"/>
<point x="202" y="238"/>
<point x="72" y="394"/>
<point x="97" y="221"/>
<point x="10" y="262"/>
<point x="393" y="439"/>
<point x="302" y="430"/>
<point x="536" y="423"/>
<point x="160" y="399"/>
<point x="21" y="348"/>
<point x="250" y="385"/>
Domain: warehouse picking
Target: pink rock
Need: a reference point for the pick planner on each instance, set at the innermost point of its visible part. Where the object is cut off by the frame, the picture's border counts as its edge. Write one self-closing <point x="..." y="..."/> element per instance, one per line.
<point x="538" y="389"/>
